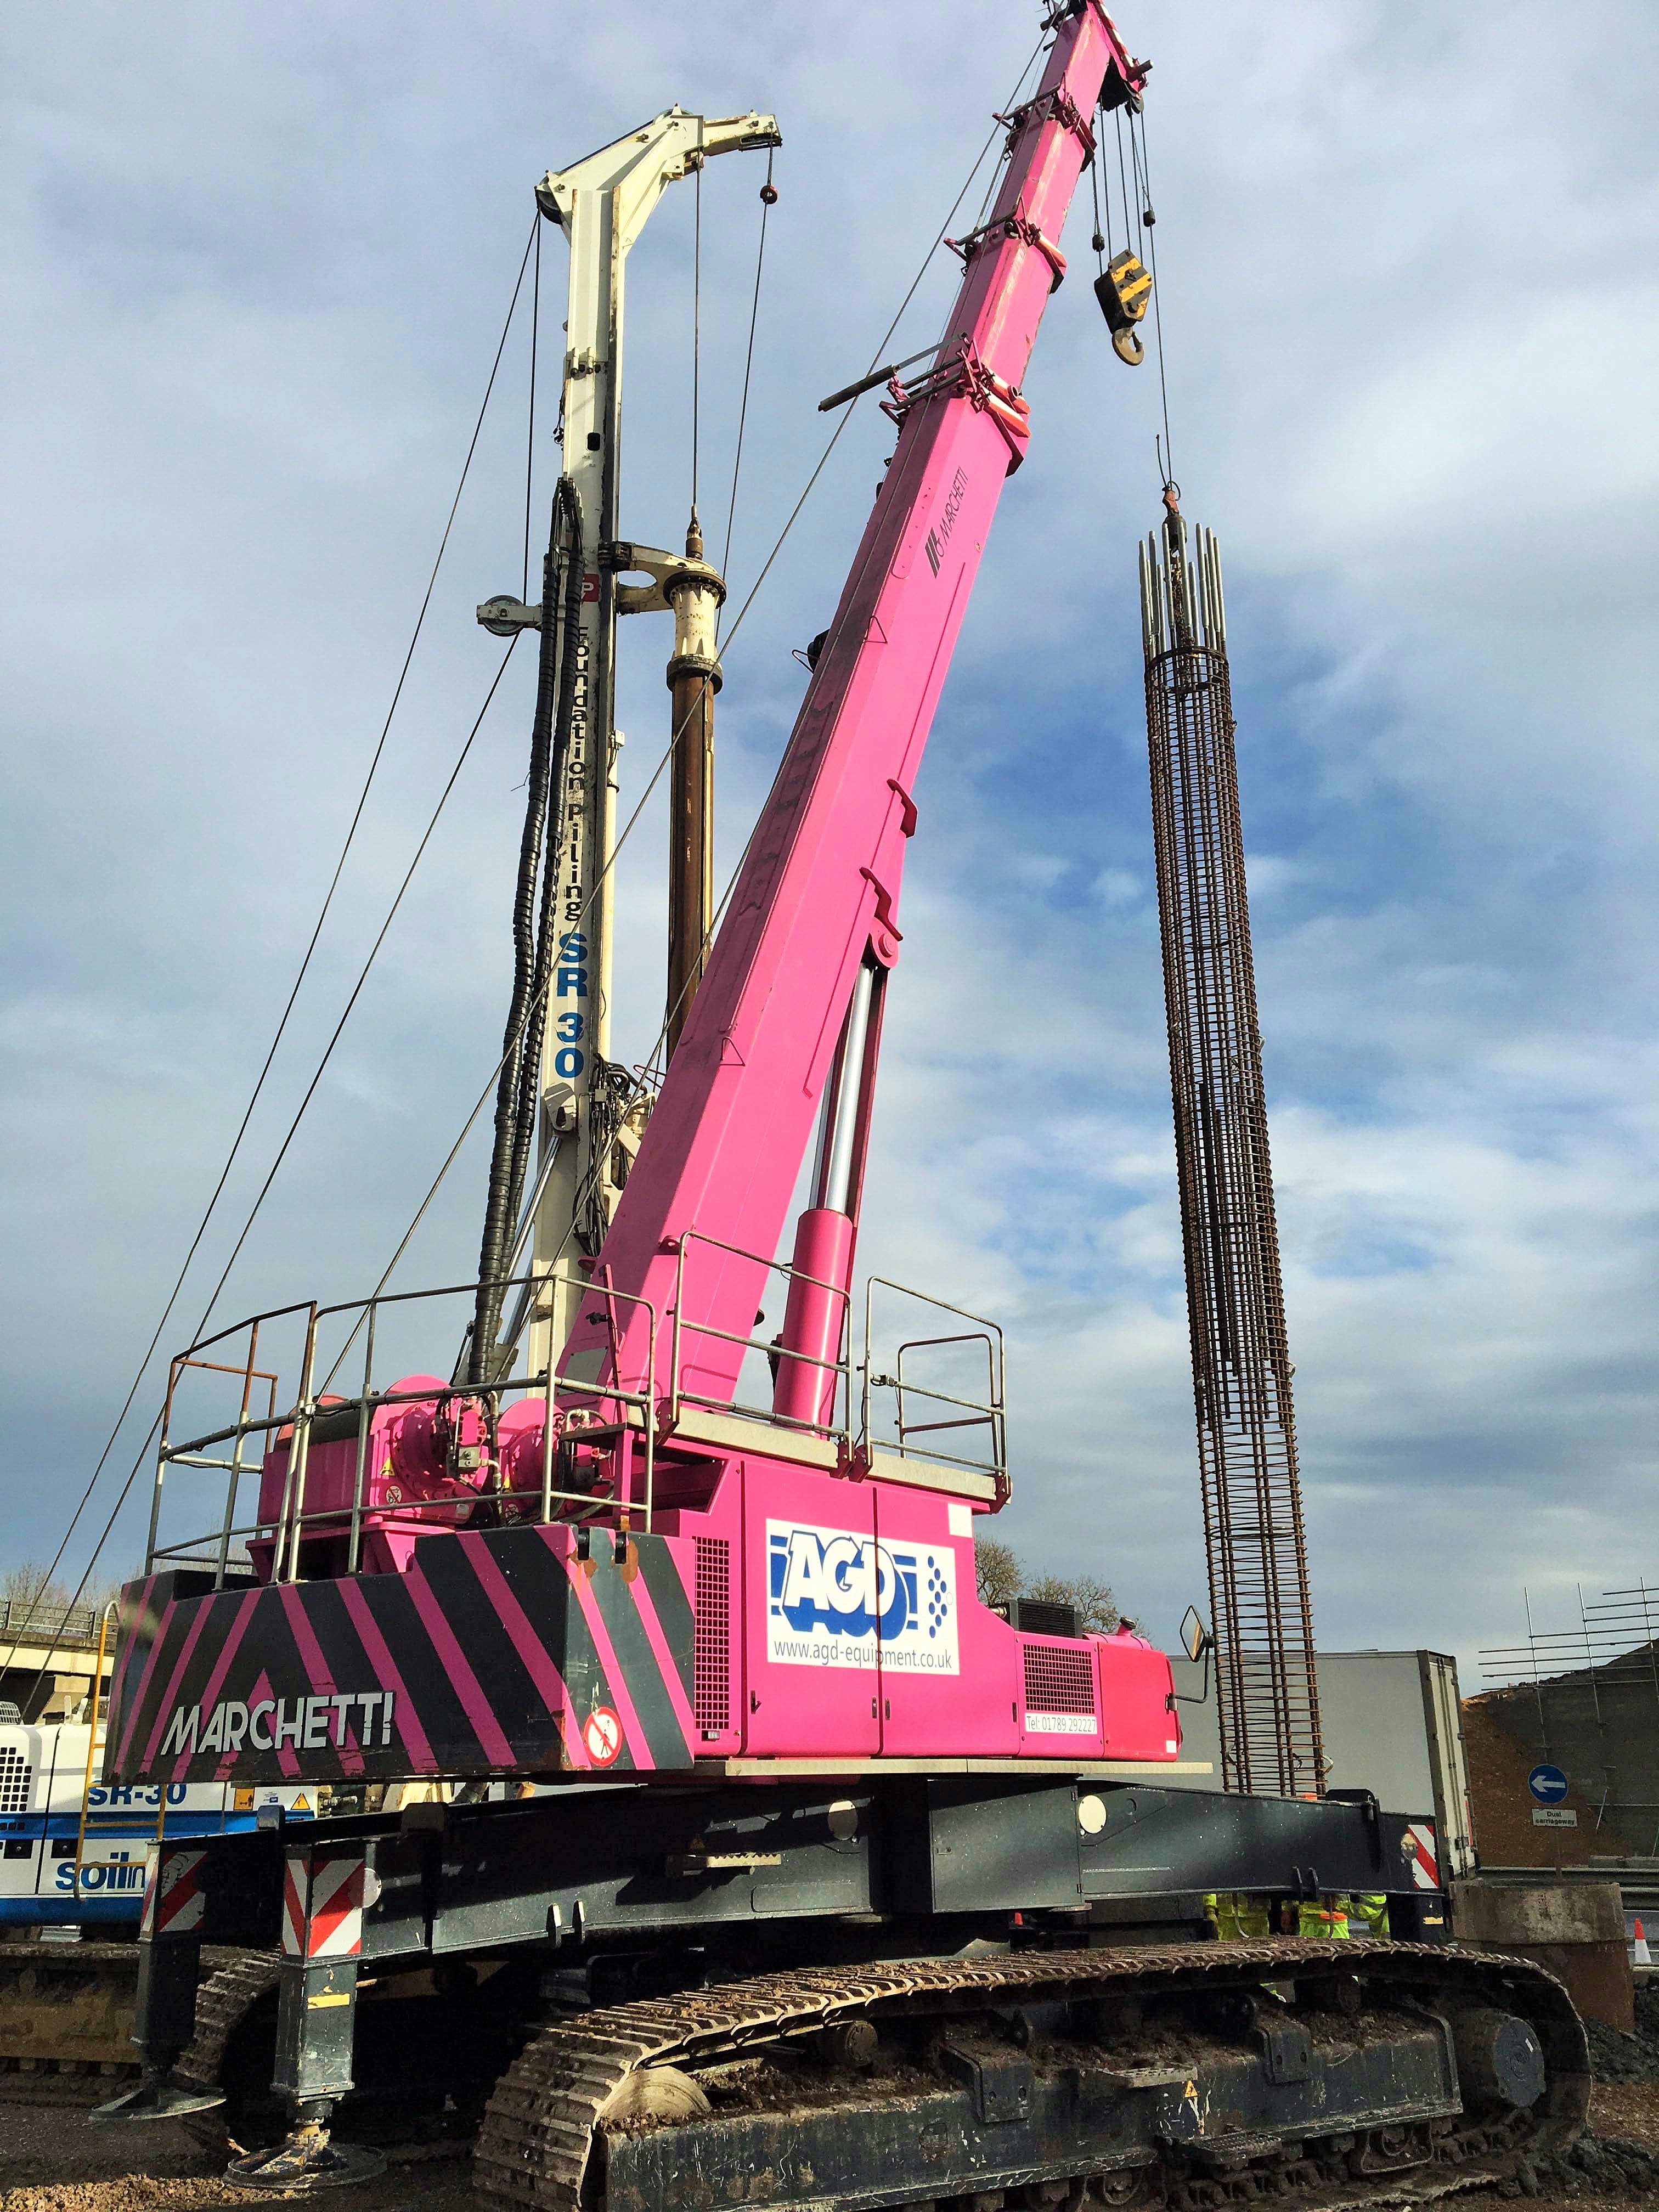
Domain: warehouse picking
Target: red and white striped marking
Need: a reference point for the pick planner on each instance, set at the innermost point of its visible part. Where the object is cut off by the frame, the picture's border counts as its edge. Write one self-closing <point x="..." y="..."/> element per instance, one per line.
<point x="1425" y="1865"/>
<point x="322" y="1907"/>
<point x="174" y="1901"/>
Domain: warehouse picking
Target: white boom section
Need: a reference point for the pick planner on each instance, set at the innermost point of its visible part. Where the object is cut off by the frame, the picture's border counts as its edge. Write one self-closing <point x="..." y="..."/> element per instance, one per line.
<point x="601" y="204"/>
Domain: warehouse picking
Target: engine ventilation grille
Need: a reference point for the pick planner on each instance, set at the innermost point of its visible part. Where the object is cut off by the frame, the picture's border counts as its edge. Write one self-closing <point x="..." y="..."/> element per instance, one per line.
<point x="711" y="1648"/>
<point x="1059" y="1682"/>
<point x="16" y="1775"/>
<point x="1042" y="1616"/>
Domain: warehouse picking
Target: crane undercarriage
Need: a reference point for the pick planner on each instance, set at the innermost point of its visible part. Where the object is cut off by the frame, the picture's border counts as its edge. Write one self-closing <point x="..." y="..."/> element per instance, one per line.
<point x="801" y="1996"/>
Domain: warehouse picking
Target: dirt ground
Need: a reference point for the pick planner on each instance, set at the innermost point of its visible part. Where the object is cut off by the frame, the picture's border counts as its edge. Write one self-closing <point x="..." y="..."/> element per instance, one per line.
<point x="53" y="2159"/>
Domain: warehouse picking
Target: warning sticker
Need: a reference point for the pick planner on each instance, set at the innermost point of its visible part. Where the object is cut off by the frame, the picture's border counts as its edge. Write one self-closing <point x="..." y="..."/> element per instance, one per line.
<point x="602" y="1732"/>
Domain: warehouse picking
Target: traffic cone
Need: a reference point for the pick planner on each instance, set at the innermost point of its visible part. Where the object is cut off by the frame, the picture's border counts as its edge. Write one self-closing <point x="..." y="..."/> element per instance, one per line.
<point x="1641" y="1956"/>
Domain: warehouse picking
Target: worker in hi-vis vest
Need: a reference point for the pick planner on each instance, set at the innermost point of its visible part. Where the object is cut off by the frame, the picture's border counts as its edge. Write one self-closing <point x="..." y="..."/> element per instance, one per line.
<point x="1323" y="1916"/>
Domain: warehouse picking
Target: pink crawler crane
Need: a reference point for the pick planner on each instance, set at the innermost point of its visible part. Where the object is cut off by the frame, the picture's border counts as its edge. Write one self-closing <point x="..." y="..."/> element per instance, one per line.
<point x="778" y="1868"/>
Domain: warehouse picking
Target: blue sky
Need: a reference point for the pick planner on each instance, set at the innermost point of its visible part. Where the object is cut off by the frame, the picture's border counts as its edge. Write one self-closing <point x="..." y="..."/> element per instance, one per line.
<point x="255" y="266"/>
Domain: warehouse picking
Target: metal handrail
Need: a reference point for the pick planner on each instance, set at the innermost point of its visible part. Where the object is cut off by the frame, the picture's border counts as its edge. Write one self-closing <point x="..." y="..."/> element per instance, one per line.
<point x="992" y="1414"/>
<point x="294" y="1519"/>
<point x="639" y="1413"/>
<point x="841" y="1367"/>
<point x="22" y="1617"/>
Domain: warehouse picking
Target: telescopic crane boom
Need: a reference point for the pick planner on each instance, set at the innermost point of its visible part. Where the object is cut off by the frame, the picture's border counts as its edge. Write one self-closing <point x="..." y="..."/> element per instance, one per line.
<point x="786" y="1021"/>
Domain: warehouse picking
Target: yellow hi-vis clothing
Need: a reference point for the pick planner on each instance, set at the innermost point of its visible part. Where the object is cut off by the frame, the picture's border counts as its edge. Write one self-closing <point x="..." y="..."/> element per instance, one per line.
<point x="1236" y="1916"/>
<point x="1324" y="1916"/>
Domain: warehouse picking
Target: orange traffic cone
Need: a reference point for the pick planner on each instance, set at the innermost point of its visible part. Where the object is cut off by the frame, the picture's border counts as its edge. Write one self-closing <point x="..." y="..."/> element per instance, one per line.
<point x="1641" y="1956"/>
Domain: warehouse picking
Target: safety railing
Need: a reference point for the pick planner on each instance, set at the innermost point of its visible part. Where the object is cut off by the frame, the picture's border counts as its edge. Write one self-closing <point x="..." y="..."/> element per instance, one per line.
<point x="25" y="1620"/>
<point x="988" y="1414"/>
<point x="851" y="1414"/>
<point x="935" y="1417"/>
<point x="772" y="1349"/>
<point x="609" y="1411"/>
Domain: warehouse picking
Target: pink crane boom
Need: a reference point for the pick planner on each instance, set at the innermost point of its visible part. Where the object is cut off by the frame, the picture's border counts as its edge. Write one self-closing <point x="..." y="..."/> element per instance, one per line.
<point x="790" y="1005"/>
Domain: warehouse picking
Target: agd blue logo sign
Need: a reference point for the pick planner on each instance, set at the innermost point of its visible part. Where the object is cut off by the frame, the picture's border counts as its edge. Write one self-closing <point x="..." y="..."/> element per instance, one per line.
<point x="835" y="1598"/>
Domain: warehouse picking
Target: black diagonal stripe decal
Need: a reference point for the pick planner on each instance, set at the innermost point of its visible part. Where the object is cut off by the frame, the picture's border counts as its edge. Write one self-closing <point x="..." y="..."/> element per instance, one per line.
<point x="223" y="1608"/>
<point x="490" y="1650"/>
<point x="344" y="1655"/>
<point x="662" y="1579"/>
<point x="426" y="1680"/>
<point x="552" y="1608"/>
<point x="638" y="1662"/>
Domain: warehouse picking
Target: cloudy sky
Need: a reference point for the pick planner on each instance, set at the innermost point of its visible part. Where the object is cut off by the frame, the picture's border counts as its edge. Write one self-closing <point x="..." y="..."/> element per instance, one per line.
<point x="255" y="264"/>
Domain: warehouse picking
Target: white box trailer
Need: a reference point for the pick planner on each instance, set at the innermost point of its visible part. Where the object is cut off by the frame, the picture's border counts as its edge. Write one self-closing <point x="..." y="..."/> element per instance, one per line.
<point x="1393" y="1724"/>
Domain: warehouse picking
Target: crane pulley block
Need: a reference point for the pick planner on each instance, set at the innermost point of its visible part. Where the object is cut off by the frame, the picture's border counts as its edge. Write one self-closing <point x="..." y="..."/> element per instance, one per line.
<point x="1123" y="288"/>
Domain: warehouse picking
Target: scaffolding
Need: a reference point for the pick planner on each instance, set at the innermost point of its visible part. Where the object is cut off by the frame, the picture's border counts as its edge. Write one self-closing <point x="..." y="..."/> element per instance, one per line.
<point x="1267" y="1698"/>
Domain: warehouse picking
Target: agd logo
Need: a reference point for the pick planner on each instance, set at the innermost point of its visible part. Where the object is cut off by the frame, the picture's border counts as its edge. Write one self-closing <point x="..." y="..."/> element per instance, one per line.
<point x="834" y="1599"/>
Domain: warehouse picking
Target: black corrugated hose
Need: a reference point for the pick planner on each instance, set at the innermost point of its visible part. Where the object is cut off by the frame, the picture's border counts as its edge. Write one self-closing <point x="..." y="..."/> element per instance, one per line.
<point x="517" y="1090"/>
<point x="548" y="931"/>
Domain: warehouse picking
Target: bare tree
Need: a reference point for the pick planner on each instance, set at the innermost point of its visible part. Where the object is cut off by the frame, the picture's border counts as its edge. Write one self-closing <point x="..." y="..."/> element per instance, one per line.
<point x="998" y="1572"/>
<point x="1001" y="1577"/>
<point x="1096" y="1609"/>
<point x="31" y="1584"/>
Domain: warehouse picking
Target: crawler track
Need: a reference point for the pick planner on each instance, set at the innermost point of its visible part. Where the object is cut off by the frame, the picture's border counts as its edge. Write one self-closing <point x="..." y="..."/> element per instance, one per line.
<point x="547" y="2143"/>
<point x="66" y="2017"/>
<point x="222" y="2002"/>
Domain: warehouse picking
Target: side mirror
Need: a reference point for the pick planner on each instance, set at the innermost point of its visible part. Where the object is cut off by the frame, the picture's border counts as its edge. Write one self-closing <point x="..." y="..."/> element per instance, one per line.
<point x="1196" y="1640"/>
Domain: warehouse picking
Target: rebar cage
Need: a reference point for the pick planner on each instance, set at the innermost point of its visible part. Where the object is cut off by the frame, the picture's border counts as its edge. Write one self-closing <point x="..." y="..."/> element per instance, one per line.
<point x="1267" y="1698"/>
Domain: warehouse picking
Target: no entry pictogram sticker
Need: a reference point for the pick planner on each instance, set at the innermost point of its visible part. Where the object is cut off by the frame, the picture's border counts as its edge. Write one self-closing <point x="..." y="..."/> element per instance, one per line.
<point x="602" y="1732"/>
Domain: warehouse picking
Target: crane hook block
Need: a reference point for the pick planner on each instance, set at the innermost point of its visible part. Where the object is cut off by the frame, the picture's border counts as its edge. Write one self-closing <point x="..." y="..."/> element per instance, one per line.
<point x="1123" y="288"/>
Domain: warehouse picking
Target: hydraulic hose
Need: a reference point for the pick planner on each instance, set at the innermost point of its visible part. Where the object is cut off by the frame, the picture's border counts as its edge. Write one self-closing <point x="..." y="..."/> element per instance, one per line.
<point x="515" y="1092"/>
<point x="528" y="1097"/>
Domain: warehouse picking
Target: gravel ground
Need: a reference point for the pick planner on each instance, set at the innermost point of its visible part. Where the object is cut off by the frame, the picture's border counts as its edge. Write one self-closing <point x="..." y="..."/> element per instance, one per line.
<point x="54" y="2159"/>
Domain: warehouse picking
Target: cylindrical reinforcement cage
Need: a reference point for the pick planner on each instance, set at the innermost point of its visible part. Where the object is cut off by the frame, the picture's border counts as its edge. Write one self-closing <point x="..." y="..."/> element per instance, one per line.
<point x="1267" y="1698"/>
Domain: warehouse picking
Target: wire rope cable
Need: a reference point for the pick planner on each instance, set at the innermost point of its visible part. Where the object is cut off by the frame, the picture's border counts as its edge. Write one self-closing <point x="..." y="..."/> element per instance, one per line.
<point x="768" y="200"/>
<point x="530" y="434"/>
<point x="696" y="328"/>
<point x="310" y="1089"/>
<point x="1150" y="235"/>
<point x="306" y="958"/>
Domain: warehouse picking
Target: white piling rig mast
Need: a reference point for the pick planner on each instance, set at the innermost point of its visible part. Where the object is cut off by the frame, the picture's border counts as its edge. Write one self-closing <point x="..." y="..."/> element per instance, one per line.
<point x="601" y="204"/>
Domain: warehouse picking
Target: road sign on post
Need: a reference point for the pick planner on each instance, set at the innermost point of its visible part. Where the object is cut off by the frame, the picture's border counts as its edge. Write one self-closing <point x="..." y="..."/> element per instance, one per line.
<point x="1547" y="1784"/>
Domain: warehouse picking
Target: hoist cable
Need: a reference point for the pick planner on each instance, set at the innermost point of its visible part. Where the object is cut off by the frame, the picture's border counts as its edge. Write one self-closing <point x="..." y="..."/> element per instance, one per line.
<point x="356" y="990"/>
<point x="529" y="435"/>
<point x="696" y="325"/>
<point x="304" y="967"/>
<point x="1123" y="182"/>
<point x="1158" y="310"/>
<point x="767" y="195"/>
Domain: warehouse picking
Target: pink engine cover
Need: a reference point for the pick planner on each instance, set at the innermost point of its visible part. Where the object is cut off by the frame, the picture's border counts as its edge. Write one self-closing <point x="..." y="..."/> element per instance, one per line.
<point x="406" y="1465"/>
<point x="863" y="1636"/>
